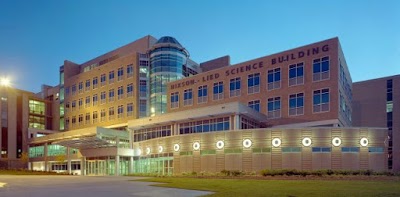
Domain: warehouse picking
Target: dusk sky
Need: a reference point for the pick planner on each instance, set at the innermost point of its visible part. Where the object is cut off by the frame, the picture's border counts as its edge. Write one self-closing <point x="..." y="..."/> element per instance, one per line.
<point x="37" y="36"/>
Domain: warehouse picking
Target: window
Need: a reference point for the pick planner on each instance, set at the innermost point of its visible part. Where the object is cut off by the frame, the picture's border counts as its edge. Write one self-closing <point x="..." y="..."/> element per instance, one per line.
<point x="255" y="105"/>
<point x="218" y="90"/>
<point x="296" y="74"/>
<point x="143" y="88"/>
<point x="103" y="115"/>
<point x="291" y="149"/>
<point x="321" y="69"/>
<point x="129" y="109"/>
<point x="274" y="107"/>
<point x="111" y="113"/>
<point x="274" y="79"/>
<point x="143" y="70"/>
<point x="187" y="97"/>
<point x="321" y="149"/>
<point x="350" y="149"/>
<point x="87" y="102"/>
<point x="80" y="87"/>
<point x="142" y="108"/>
<point x="120" y="92"/>
<point x="111" y="77"/>
<point x="95" y="99"/>
<point x="202" y="126"/>
<point x="234" y="87"/>
<point x="111" y="95"/>
<point x="120" y="112"/>
<point x="129" y="90"/>
<point x="73" y="104"/>
<point x="376" y="150"/>
<point x="73" y="121"/>
<point x="87" y="85"/>
<point x="202" y="94"/>
<point x="321" y="100"/>
<point x="129" y="71"/>
<point x="103" y="80"/>
<point x="174" y="100"/>
<point x="80" y="119"/>
<point x="87" y="118"/>
<point x="80" y="103"/>
<point x="95" y="82"/>
<point x="120" y="73"/>
<point x="95" y="115"/>
<point x="66" y="91"/>
<point x="102" y="97"/>
<point x="253" y="83"/>
<point x="73" y="89"/>
<point x="296" y="104"/>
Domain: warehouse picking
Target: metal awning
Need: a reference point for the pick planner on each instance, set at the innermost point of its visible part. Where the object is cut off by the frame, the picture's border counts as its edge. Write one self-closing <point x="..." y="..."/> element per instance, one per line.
<point x="85" y="143"/>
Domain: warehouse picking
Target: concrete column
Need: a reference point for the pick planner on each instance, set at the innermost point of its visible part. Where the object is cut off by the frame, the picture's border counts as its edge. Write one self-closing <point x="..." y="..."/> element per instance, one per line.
<point x="69" y="160"/>
<point x="176" y="129"/>
<point x="46" y="162"/>
<point x="116" y="165"/>
<point x="130" y="138"/>
<point x="29" y="165"/>
<point x="236" y="122"/>
<point x="130" y="165"/>
<point x="83" y="166"/>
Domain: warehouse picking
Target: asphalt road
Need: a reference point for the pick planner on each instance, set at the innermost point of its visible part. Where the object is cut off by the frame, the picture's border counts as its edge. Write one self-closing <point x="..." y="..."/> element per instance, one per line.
<point x="86" y="186"/>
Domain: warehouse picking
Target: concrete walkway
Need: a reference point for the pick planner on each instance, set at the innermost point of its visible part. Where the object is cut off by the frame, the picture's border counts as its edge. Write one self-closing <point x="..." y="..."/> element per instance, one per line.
<point x="67" y="186"/>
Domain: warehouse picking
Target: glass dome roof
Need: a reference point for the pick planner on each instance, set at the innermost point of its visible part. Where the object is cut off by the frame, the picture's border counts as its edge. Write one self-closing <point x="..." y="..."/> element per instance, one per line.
<point x="168" y="39"/>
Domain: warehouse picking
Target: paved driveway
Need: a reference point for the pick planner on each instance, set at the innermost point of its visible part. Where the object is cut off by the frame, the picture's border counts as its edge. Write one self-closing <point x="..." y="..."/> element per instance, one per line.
<point x="67" y="186"/>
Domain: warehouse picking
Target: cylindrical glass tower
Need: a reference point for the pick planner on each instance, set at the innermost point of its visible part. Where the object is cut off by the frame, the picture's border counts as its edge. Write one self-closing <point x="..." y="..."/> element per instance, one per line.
<point x="167" y="60"/>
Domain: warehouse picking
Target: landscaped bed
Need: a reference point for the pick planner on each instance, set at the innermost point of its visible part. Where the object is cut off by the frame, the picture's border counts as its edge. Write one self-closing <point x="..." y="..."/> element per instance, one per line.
<point x="28" y="172"/>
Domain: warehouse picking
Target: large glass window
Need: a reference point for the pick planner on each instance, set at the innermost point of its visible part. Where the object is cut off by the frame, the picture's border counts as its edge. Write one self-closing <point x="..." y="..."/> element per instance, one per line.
<point x="37" y="122"/>
<point x="255" y="105"/>
<point x="321" y="69"/>
<point x="296" y="74"/>
<point x="175" y="100"/>
<point x="296" y="104"/>
<point x="234" y="87"/>
<point x="73" y="89"/>
<point x="274" y="79"/>
<point x="151" y="133"/>
<point x="95" y="116"/>
<point x="142" y="108"/>
<point x="321" y="100"/>
<point x="143" y="88"/>
<point x="218" y="90"/>
<point x="187" y="97"/>
<point x="36" y="107"/>
<point x="201" y="126"/>
<point x="274" y="107"/>
<point x="253" y="83"/>
<point x="202" y="94"/>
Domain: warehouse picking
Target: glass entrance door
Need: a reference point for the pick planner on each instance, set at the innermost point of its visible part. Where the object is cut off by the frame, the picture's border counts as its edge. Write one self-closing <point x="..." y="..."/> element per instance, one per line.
<point x="96" y="167"/>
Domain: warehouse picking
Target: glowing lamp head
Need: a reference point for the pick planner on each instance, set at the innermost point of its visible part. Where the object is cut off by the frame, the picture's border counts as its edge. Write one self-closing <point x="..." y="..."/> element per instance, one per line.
<point x="5" y="82"/>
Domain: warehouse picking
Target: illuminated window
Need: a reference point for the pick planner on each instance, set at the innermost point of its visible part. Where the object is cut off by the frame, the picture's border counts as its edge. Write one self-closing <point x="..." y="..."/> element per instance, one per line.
<point x="80" y="87"/>
<point x="95" y="99"/>
<point x="120" y="111"/>
<point x="103" y="80"/>
<point x="95" y="82"/>
<point x="111" y="95"/>
<point x="274" y="79"/>
<point x="350" y="149"/>
<point x="253" y="83"/>
<point x="111" y="113"/>
<point x="87" y="85"/>
<point x="87" y="102"/>
<point x="129" y="109"/>
<point x="36" y="107"/>
<point x="321" y="69"/>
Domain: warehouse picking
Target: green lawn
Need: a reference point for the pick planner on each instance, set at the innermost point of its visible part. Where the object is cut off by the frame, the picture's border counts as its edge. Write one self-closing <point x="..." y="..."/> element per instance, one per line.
<point x="242" y="187"/>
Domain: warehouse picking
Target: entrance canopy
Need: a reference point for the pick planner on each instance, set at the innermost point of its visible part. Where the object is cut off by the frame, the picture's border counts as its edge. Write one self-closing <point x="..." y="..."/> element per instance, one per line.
<point x="88" y="138"/>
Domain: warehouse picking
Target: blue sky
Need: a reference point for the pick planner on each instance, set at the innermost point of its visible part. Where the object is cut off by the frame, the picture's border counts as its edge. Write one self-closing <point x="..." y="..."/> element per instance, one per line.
<point x="37" y="36"/>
